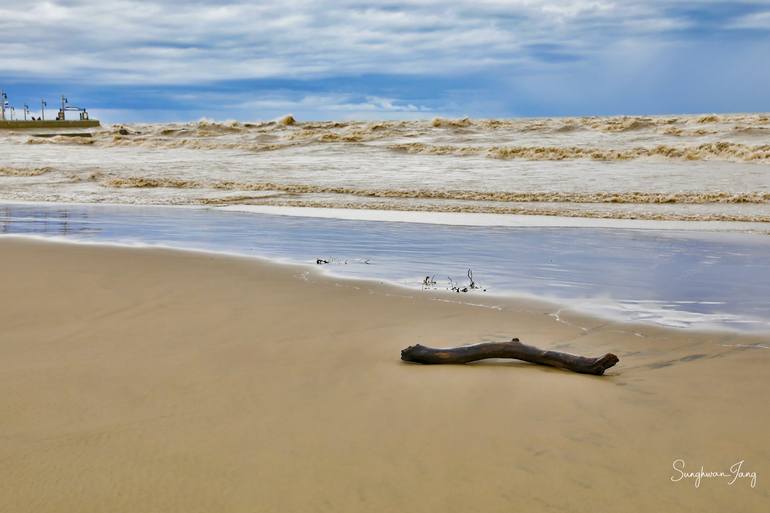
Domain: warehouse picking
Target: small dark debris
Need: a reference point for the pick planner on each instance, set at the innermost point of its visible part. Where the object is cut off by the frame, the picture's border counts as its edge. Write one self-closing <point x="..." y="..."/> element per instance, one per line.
<point x="455" y="287"/>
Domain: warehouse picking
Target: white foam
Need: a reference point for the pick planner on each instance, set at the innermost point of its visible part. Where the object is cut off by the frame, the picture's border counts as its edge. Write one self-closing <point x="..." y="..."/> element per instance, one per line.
<point x="483" y="219"/>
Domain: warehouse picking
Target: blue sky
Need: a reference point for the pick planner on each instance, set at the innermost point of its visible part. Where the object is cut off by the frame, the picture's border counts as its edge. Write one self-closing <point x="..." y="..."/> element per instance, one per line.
<point x="160" y="60"/>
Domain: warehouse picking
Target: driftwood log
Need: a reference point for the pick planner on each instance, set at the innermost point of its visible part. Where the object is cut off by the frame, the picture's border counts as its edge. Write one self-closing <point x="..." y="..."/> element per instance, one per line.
<point x="513" y="349"/>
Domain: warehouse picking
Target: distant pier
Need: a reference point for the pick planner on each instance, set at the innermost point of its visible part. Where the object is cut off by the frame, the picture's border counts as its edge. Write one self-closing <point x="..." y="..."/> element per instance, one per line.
<point x="10" y="121"/>
<point x="70" y="123"/>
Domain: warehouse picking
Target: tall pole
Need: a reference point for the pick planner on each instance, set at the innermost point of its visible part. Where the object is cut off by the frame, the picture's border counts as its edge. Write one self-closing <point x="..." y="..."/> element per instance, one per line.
<point x="26" y="111"/>
<point x="42" y="109"/>
<point x="3" y="98"/>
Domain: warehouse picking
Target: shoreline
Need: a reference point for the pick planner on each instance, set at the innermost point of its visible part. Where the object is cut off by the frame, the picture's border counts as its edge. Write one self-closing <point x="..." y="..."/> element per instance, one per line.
<point x="487" y="300"/>
<point x="573" y="276"/>
<point x="183" y="381"/>
<point x="551" y="306"/>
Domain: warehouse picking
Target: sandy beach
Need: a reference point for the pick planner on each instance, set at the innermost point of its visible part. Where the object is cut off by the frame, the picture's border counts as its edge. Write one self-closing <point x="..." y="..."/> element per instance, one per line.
<point x="167" y="381"/>
<point x="157" y="380"/>
<point x="229" y="230"/>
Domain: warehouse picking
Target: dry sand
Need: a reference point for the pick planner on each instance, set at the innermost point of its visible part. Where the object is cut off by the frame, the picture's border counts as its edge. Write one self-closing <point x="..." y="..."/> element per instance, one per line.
<point x="138" y="380"/>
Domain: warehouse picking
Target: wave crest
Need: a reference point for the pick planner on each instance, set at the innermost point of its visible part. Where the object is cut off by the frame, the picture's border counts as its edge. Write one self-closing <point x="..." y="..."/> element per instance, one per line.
<point x="715" y="150"/>
<point x="24" y="171"/>
<point x="467" y="195"/>
<point x="451" y="123"/>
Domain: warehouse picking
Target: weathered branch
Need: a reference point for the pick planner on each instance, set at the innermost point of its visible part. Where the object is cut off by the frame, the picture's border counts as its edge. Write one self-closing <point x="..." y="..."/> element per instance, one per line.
<point x="513" y="349"/>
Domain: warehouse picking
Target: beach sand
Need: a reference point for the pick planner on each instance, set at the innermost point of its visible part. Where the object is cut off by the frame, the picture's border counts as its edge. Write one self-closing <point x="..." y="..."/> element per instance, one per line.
<point x="144" y="380"/>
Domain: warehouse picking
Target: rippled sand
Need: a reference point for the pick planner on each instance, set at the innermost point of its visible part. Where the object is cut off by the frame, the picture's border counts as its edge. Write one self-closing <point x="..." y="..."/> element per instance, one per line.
<point x="551" y="166"/>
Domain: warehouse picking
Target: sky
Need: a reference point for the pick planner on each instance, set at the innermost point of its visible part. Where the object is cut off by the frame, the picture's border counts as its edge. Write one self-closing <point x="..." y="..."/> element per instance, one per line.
<point x="160" y="60"/>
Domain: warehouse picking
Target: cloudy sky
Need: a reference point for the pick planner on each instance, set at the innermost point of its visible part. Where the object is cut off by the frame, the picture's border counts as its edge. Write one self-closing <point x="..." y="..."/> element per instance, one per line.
<point x="158" y="60"/>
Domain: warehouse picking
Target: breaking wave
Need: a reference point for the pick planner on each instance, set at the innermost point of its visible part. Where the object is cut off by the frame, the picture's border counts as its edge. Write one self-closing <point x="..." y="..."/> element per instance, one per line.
<point x="728" y="137"/>
<point x="752" y="130"/>
<point x="708" y="151"/>
<point x="24" y="171"/>
<point x="700" y="167"/>
<point x="499" y="196"/>
<point x="62" y="139"/>
<point x="451" y="123"/>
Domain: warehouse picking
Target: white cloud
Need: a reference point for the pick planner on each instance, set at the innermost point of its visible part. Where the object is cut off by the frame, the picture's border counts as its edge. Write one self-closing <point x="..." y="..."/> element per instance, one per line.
<point x="330" y="102"/>
<point x="391" y="58"/>
<point x="168" y="42"/>
<point x="759" y="20"/>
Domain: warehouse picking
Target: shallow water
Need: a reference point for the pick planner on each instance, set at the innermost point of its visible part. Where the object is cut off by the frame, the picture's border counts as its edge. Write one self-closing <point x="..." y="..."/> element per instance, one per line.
<point x="683" y="279"/>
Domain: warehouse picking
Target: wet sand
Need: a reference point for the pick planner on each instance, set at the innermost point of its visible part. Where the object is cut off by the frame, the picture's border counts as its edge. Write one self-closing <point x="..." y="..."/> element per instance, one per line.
<point x="157" y="380"/>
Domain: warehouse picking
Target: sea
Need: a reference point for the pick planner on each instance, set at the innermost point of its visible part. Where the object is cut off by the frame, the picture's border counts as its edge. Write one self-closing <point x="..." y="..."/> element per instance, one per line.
<point x="660" y="219"/>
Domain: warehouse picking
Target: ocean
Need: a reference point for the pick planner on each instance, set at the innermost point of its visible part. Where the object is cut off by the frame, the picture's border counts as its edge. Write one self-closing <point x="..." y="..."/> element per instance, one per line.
<point x="661" y="220"/>
<point x="706" y="168"/>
